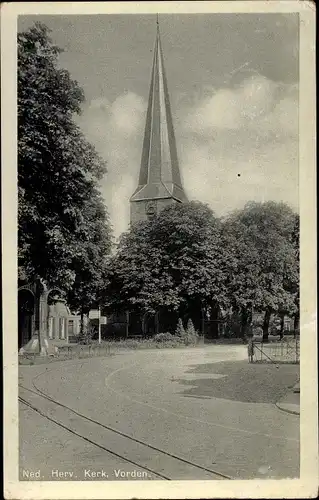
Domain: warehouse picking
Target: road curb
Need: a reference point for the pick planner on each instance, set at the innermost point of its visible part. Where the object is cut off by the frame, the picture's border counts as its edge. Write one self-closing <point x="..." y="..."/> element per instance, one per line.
<point x="283" y="407"/>
<point x="296" y="388"/>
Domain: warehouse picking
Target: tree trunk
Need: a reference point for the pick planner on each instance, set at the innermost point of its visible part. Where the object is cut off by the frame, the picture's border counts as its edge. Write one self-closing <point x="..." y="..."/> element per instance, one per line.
<point x="266" y="325"/>
<point x="202" y="321"/>
<point x="127" y="323"/>
<point x="296" y="323"/>
<point x="156" y="322"/>
<point x="282" y="325"/>
<point x="250" y="329"/>
<point x="244" y="323"/>
<point x="144" y="319"/>
<point x="81" y="321"/>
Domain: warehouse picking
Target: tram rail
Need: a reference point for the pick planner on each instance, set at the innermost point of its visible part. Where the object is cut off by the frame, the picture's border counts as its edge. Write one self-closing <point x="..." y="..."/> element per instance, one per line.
<point x="155" y="461"/>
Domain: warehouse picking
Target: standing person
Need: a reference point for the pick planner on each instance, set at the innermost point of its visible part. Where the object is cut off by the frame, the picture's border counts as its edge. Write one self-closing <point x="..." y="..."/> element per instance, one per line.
<point x="251" y="350"/>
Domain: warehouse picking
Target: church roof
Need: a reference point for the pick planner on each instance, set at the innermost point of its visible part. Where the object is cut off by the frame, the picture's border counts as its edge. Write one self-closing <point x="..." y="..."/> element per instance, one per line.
<point x="159" y="172"/>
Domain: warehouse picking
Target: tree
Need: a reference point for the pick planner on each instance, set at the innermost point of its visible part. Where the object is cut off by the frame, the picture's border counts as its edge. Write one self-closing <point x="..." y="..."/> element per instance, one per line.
<point x="180" y="331"/>
<point x="265" y="264"/>
<point x="90" y="260"/>
<point x="134" y="279"/>
<point x="64" y="232"/>
<point x="173" y="261"/>
<point x="293" y="276"/>
<point x="242" y="270"/>
<point x="190" y="328"/>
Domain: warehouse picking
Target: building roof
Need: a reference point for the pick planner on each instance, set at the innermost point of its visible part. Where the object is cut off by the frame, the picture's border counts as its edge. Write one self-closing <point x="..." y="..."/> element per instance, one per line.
<point x="159" y="171"/>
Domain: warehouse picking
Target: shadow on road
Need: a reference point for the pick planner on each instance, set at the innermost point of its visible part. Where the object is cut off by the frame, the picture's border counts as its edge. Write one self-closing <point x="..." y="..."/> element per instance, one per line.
<point x="239" y="381"/>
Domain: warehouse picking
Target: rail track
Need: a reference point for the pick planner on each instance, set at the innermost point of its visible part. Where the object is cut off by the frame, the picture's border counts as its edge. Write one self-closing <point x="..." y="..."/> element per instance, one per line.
<point x="155" y="461"/>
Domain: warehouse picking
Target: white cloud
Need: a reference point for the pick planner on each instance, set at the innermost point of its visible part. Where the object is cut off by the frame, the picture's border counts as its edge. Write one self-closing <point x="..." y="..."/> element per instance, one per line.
<point x="127" y="111"/>
<point x="253" y="104"/>
<point x="227" y="181"/>
<point x="116" y="130"/>
<point x="233" y="108"/>
<point x="241" y="144"/>
<point x="251" y="130"/>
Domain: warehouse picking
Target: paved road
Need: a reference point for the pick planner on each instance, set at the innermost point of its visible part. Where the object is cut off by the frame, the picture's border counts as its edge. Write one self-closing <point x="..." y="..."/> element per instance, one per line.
<point x="207" y="405"/>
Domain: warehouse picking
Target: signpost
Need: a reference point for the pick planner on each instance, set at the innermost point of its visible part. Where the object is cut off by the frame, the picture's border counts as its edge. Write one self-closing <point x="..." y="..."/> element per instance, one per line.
<point x="96" y="315"/>
<point x="99" y="325"/>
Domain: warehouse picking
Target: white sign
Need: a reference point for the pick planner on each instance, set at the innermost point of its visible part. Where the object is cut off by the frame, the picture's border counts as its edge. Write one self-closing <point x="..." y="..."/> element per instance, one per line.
<point x="94" y="314"/>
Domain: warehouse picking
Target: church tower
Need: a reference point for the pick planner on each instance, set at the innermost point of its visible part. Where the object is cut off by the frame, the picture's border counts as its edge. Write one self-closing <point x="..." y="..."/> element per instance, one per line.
<point x="159" y="182"/>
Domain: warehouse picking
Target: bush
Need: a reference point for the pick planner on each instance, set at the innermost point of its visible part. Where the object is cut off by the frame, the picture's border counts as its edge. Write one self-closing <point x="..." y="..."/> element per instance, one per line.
<point x="258" y="331"/>
<point x="132" y="343"/>
<point x="190" y="329"/>
<point x="180" y="332"/>
<point x="191" y="336"/>
<point x="188" y="337"/>
<point x="87" y="336"/>
<point x="164" y="337"/>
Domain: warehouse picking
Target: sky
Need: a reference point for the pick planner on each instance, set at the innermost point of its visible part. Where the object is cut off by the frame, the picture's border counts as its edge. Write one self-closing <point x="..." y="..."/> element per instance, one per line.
<point x="234" y="87"/>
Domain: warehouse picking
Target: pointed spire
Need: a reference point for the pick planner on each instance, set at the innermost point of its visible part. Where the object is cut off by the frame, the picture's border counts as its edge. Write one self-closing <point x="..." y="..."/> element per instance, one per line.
<point x="159" y="171"/>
